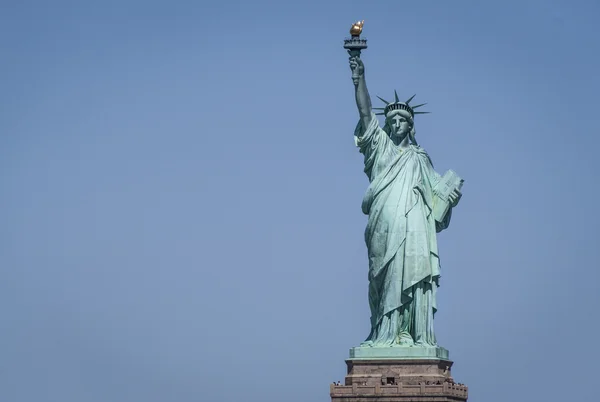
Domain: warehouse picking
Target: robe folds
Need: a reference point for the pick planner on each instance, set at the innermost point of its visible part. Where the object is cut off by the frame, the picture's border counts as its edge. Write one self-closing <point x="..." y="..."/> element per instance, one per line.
<point x="401" y="231"/>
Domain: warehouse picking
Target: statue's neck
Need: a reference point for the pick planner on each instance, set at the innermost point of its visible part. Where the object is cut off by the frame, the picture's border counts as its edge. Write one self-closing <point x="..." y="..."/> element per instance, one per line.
<point x="402" y="144"/>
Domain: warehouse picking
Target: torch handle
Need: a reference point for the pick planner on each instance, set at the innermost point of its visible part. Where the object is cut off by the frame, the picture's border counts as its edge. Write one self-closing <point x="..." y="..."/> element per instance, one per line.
<point x="354" y="53"/>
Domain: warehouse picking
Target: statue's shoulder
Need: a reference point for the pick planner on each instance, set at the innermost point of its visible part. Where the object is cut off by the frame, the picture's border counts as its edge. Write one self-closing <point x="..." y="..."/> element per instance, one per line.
<point x="420" y="149"/>
<point x="423" y="154"/>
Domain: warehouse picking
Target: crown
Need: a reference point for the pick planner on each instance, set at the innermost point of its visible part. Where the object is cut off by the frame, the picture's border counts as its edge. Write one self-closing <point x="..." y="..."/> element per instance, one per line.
<point x="397" y="105"/>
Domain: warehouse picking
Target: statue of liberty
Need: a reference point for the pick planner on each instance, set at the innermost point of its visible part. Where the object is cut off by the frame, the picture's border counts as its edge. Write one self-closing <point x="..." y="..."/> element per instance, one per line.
<point x="407" y="203"/>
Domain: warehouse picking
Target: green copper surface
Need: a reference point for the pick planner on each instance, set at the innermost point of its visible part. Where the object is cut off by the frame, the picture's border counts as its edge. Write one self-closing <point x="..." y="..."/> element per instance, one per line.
<point x="398" y="353"/>
<point x="407" y="202"/>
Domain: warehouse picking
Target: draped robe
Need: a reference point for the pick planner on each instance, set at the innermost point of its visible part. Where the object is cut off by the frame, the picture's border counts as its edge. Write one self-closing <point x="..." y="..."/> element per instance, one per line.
<point x="404" y="266"/>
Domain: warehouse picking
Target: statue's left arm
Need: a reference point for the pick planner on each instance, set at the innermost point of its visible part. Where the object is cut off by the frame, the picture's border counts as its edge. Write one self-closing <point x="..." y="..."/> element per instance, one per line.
<point x="453" y="198"/>
<point x="445" y="222"/>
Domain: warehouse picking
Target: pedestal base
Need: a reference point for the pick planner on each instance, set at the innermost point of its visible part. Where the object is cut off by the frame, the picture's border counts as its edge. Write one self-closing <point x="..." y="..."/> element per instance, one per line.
<point x="398" y="353"/>
<point x="395" y="380"/>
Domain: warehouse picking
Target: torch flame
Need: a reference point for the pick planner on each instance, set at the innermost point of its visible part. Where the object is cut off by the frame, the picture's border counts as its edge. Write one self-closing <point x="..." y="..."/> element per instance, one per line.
<point x="356" y="28"/>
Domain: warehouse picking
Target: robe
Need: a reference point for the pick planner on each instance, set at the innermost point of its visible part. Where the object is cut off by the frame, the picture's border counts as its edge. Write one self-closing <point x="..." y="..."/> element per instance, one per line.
<point x="404" y="267"/>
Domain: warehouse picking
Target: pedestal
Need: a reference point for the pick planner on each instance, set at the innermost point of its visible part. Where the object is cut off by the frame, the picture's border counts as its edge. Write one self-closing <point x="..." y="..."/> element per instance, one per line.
<point x="399" y="353"/>
<point x="395" y="379"/>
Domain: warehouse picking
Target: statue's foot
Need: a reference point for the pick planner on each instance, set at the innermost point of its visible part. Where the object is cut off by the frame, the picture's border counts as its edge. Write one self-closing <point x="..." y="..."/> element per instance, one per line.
<point x="366" y="344"/>
<point x="422" y="344"/>
<point x="405" y="340"/>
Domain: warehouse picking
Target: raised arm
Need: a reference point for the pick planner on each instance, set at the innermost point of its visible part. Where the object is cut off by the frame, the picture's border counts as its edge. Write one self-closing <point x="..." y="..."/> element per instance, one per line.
<point x="363" y="100"/>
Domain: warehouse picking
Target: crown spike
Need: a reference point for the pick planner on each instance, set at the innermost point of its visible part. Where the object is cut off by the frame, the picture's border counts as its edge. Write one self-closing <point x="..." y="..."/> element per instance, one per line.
<point x="379" y="108"/>
<point x="422" y="104"/>
<point x="411" y="98"/>
<point x="383" y="100"/>
<point x="396" y="96"/>
<point x="379" y="114"/>
<point x="422" y="112"/>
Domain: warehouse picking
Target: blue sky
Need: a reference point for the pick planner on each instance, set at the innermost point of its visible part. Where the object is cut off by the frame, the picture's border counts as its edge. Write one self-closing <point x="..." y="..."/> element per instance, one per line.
<point x="180" y="212"/>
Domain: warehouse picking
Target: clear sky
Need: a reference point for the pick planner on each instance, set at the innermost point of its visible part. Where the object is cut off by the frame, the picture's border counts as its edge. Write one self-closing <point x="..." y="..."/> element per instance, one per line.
<point x="180" y="194"/>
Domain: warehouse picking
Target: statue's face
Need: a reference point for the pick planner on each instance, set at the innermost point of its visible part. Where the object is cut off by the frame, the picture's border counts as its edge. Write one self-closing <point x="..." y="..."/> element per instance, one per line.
<point x="400" y="124"/>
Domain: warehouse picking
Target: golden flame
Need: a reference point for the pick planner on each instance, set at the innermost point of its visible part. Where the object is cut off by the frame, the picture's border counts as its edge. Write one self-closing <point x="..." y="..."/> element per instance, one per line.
<point x="356" y="28"/>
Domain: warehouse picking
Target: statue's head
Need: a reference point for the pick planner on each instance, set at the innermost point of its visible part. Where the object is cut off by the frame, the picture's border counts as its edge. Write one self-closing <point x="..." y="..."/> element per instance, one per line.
<point x="399" y="119"/>
<point x="399" y="124"/>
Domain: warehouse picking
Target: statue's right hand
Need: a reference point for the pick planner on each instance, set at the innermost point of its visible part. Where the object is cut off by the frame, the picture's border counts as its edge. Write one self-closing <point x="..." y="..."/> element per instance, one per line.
<point x="357" y="66"/>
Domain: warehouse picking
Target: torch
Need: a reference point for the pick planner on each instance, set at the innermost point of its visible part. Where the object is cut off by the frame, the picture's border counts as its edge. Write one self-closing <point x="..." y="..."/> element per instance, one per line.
<point x="355" y="44"/>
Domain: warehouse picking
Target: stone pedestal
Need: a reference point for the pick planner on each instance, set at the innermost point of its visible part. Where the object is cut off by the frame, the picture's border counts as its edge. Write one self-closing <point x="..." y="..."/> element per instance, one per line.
<point x="394" y="380"/>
